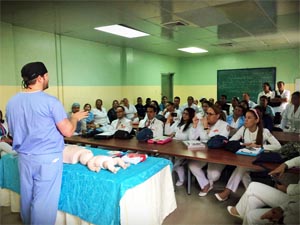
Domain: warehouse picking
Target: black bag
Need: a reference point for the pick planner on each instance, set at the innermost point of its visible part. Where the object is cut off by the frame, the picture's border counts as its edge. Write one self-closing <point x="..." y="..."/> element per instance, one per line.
<point x="144" y="135"/>
<point x="263" y="176"/>
<point x="122" y="134"/>
<point x="268" y="157"/>
<point x="233" y="146"/>
<point x="217" y="141"/>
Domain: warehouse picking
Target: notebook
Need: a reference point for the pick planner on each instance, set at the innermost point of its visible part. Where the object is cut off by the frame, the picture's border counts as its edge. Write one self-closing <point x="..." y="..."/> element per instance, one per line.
<point x="250" y="151"/>
<point x="194" y="145"/>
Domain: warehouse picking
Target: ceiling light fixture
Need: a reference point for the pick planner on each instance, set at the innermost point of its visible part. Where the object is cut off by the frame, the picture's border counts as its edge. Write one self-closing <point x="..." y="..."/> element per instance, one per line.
<point x="193" y="50"/>
<point x="122" y="30"/>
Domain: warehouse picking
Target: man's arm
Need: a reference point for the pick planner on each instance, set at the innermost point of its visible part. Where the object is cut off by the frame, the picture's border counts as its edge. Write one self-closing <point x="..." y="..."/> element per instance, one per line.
<point x="67" y="127"/>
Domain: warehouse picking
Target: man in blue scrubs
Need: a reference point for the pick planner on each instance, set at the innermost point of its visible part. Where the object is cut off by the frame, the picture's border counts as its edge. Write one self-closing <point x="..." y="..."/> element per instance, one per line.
<point x="38" y="122"/>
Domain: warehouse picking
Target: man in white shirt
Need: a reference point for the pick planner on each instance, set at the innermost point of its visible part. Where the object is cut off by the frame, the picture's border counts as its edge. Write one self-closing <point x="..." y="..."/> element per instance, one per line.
<point x="189" y="104"/>
<point x="152" y="123"/>
<point x="246" y="97"/>
<point x="122" y="123"/>
<point x="281" y="96"/>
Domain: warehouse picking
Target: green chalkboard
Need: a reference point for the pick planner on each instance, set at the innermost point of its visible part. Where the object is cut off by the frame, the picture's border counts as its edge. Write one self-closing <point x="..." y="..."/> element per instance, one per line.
<point x="235" y="82"/>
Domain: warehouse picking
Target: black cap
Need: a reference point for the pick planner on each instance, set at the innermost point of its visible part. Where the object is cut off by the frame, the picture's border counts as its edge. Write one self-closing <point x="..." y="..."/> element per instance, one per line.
<point x="32" y="70"/>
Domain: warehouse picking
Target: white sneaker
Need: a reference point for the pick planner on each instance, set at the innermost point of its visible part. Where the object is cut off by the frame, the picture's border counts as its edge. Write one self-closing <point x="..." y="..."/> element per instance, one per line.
<point x="179" y="183"/>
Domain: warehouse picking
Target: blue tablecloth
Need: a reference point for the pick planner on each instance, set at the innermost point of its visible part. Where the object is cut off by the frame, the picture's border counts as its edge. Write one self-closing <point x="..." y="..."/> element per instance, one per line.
<point x="94" y="197"/>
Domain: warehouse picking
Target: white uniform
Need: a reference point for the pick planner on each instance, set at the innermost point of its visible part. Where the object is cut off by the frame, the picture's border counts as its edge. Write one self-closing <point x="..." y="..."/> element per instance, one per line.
<point x="177" y="118"/>
<point x="179" y="135"/>
<point x="122" y="124"/>
<point x="130" y="111"/>
<point x="193" y="106"/>
<point x="155" y="125"/>
<point x="240" y="173"/>
<point x="100" y="116"/>
<point x="290" y="121"/>
<point x="251" y="104"/>
<point x="213" y="170"/>
<point x="258" y="195"/>
<point x="270" y="94"/>
<point x="285" y="94"/>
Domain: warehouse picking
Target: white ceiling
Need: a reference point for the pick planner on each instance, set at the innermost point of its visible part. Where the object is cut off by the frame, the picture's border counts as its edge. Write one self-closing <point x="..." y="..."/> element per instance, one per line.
<point x="220" y="26"/>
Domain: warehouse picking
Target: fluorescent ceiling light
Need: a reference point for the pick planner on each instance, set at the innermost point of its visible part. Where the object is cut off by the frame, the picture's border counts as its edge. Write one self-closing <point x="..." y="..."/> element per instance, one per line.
<point x="122" y="30"/>
<point x="192" y="50"/>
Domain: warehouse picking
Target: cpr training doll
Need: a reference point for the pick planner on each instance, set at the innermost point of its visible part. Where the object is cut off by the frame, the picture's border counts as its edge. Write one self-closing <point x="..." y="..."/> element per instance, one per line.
<point x="72" y="153"/>
<point x="96" y="163"/>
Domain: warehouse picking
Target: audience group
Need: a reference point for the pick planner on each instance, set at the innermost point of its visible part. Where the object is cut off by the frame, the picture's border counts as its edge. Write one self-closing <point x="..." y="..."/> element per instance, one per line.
<point x="201" y="120"/>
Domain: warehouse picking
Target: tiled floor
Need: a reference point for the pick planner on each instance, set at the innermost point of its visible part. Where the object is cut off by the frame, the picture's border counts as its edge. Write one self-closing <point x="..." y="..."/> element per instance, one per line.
<point x="191" y="209"/>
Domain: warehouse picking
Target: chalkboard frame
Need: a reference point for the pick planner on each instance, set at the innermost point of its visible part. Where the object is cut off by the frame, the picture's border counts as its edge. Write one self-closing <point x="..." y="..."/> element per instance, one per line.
<point x="224" y="74"/>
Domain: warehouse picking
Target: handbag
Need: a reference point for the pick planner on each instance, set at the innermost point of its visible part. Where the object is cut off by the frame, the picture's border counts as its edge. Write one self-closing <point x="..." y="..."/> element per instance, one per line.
<point x="144" y="135"/>
<point x="233" y="146"/>
<point x="268" y="157"/>
<point x="122" y="134"/>
<point x="217" y="141"/>
<point x="263" y="176"/>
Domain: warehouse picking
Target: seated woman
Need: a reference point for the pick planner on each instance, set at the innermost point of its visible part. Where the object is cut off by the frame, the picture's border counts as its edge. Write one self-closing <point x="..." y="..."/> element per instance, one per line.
<point x="74" y="109"/>
<point x="180" y="130"/>
<point x="211" y="125"/>
<point x="88" y="123"/>
<point x="205" y="105"/>
<point x="5" y="140"/>
<point x="100" y="116"/>
<point x="290" y="121"/>
<point x="253" y="135"/>
<point x="263" y="204"/>
<point x="237" y="119"/>
<point x="130" y="111"/>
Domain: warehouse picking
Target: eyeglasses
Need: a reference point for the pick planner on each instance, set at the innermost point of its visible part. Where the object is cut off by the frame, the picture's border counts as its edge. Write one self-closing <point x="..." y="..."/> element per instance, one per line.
<point x="211" y="114"/>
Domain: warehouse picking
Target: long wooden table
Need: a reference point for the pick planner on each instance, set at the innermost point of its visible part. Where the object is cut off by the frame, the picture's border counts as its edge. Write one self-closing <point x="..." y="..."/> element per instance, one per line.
<point x="173" y="148"/>
<point x="284" y="137"/>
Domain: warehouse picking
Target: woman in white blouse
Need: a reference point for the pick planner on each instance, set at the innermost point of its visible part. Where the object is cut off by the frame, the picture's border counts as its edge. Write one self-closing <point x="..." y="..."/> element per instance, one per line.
<point x="267" y="91"/>
<point x="100" y="116"/>
<point x="253" y="135"/>
<point x="180" y="130"/>
<point x="211" y="125"/>
<point x="290" y="121"/>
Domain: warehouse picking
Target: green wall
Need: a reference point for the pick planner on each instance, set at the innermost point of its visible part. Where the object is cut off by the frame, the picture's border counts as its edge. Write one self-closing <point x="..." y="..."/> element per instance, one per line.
<point x="74" y="62"/>
<point x="203" y="70"/>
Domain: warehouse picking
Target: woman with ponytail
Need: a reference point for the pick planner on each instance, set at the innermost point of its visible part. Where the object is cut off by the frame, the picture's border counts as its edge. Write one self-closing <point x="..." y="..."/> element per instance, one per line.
<point x="253" y="135"/>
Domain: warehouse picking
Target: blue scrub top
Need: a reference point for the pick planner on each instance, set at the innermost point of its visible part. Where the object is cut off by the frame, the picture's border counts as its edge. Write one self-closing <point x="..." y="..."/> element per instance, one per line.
<point x="32" y="119"/>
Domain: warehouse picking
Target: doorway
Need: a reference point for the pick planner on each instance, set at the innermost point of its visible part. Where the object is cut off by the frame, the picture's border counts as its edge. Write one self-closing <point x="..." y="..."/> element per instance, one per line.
<point x="167" y="85"/>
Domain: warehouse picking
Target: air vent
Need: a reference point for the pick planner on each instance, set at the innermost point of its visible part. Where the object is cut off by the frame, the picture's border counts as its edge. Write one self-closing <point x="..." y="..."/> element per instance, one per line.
<point x="174" y="24"/>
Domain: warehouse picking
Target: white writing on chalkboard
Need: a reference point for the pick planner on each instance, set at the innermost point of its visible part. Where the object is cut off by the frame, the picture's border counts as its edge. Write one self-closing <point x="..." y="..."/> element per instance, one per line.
<point x="235" y="82"/>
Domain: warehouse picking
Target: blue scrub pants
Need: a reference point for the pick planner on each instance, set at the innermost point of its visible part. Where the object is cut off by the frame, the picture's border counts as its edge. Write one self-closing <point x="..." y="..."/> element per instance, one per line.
<point x="40" y="181"/>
